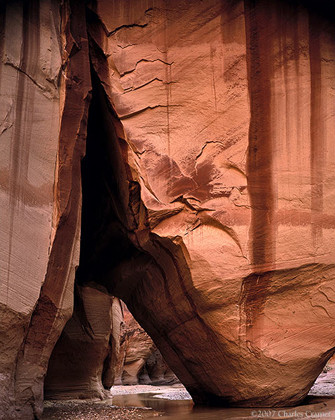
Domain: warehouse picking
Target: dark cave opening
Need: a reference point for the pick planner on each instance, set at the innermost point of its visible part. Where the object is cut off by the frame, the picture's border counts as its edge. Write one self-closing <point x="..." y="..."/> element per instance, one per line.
<point x="76" y="364"/>
<point x="104" y="241"/>
<point x="111" y="259"/>
<point x="151" y="268"/>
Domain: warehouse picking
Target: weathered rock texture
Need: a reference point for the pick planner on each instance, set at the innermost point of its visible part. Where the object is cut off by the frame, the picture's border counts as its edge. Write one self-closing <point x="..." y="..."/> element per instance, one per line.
<point x="215" y="223"/>
<point x="44" y="81"/>
<point x="110" y="364"/>
<point x="139" y="360"/>
<point x="102" y="345"/>
<point x="208" y="187"/>
<point x="76" y="364"/>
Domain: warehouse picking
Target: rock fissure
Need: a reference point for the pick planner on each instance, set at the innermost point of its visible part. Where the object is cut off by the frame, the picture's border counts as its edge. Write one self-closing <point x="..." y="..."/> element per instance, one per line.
<point x="147" y="108"/>
<point x="133" y="25"/>
<point x="145" y="60"/>
<point x="156" y="79"/>
<point x="47" y="91"/>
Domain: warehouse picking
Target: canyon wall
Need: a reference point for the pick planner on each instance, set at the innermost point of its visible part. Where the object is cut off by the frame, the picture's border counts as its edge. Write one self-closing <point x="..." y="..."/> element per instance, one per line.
<point x="207" y="189"/>
<point x="76" y="364"/>
<point x="45" y="84"/>
<point x="220" y="228"/>
<point x="102" y="345"/>
<point x="139" y="361"/>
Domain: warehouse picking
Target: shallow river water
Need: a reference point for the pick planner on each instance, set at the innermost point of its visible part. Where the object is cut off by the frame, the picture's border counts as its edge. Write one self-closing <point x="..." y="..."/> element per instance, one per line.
<point x="174" y="403"/>
<point x="315" y="407"/>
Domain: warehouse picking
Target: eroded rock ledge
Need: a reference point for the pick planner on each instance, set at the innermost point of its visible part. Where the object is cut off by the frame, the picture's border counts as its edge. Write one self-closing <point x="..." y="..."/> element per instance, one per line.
<point x="208" y="188"/>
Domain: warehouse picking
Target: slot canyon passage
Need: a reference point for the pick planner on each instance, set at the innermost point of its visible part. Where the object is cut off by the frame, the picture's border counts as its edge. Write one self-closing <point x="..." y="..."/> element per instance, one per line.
<point x="178" y="155"/>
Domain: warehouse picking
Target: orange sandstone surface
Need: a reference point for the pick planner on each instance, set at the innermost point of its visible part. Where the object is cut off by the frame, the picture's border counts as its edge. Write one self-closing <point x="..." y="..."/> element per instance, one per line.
<point x="186" y="149"/>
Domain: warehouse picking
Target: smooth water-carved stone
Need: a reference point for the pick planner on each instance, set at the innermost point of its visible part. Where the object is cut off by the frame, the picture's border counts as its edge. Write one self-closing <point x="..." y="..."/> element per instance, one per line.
<point x="208" y="187"/>
<point x="139" y="360"/>
<point x="76" y="364"/>
<point x="220" y="116"/>
<point x="43" y="106"/>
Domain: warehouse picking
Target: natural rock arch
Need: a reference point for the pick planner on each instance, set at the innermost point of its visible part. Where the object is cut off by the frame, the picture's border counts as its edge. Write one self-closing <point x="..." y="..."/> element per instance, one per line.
<point x="204" y="191"/>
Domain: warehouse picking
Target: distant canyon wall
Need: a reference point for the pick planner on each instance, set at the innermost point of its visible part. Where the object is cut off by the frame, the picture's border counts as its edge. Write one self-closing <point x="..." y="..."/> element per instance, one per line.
<point x="205" y="199"/>
<point x="102" y="345"/>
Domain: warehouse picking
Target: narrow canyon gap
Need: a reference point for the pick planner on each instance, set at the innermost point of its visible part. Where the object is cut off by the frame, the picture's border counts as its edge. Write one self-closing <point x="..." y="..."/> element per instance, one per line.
<point x="207" y="196"/>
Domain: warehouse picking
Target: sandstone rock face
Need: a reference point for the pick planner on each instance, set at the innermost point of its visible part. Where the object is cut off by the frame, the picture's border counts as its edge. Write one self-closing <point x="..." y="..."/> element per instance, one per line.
<point x="208" y="188"/>
<point x="156" y="371"/>
<point x="42" y="107"/>
<point x="218" y="199"/>
<point x="111" y="363"/>
<point x="136" y="348"/>
<point x="102" y="345"/>
<point x="76" y="364"/>
<point x="139" y="360"/>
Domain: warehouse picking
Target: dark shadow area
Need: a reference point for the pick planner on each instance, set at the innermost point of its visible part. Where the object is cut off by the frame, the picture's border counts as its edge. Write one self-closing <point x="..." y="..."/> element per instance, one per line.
<point x="104" y="241"/>
<point x="115" y="260"/>
<point x="75" y="367"/>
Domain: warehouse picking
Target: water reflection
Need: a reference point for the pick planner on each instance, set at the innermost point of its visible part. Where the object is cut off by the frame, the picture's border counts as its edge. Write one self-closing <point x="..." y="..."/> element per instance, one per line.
<point x="314" y="408"/>
<point x="158" y="404"/>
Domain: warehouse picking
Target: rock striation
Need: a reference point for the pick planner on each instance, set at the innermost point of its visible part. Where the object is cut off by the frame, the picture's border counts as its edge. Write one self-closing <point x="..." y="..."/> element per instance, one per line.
<point x="45" y="84"/>
<point x="102" y="345"/>
<point x="139" y="361"/>
<point x="219" y="188"/>
<point x="76" y="365"/>
<point x="207" y="195"/>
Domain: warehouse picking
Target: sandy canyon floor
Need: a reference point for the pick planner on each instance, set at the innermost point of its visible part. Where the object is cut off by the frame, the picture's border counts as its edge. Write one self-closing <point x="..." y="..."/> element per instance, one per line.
<point x="173" y="402"/>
